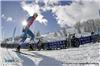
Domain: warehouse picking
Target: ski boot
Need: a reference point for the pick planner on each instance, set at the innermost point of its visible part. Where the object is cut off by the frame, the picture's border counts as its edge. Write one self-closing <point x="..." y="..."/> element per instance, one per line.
<point x="30" y="47"/>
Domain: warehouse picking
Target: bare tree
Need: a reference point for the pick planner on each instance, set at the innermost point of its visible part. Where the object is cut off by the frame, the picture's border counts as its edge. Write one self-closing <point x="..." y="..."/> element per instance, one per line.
<point x="55" y="34"/>
<point x="78" y="27"/>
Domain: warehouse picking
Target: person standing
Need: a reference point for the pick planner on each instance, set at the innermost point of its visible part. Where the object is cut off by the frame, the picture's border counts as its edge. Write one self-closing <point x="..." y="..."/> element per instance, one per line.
<point x="27" y="32"/>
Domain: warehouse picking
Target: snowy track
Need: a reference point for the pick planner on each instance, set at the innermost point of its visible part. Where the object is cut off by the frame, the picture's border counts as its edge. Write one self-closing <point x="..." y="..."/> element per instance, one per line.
<point x="8" y="59"/>
<point x="85" y="55"/>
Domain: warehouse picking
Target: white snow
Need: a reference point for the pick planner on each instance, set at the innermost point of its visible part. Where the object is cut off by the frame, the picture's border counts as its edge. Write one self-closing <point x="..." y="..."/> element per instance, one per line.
<point x="85" y="55"/>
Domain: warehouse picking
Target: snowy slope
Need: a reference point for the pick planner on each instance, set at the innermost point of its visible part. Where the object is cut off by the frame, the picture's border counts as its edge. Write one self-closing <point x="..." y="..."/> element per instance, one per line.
<point x="87" y="54"/>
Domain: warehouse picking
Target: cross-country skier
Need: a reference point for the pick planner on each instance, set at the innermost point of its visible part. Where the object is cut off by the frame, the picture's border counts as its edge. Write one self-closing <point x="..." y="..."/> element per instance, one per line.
<point x="26" y="31"/>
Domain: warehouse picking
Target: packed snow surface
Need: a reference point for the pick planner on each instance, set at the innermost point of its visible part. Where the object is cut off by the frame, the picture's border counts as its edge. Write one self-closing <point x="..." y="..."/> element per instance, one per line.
<point x="85" y="55"/>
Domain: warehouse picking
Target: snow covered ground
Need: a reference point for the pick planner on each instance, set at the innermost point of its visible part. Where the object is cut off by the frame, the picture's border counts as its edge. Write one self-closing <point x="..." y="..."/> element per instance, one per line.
<point x="85" y="55"/>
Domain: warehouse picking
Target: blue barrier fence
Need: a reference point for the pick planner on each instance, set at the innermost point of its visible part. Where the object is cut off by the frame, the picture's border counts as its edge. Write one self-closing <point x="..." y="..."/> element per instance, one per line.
<point x="61" y="43"/>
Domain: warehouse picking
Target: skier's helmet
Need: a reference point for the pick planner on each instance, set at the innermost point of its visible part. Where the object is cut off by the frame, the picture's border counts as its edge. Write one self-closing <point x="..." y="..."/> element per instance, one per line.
<point x="35" y="14"/>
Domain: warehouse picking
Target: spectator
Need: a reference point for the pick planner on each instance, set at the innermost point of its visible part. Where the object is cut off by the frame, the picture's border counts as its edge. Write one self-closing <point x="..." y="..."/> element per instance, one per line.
<point x="75" y="41"/>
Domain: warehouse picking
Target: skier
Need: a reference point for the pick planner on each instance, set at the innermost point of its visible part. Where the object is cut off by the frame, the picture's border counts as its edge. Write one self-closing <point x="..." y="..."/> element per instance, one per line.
<point x="26" y="31"/>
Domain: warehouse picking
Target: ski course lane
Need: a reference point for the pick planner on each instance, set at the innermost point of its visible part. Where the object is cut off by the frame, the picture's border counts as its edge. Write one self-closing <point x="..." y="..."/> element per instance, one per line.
<point x="7" y="59"/>
<point x="26" y="60"/>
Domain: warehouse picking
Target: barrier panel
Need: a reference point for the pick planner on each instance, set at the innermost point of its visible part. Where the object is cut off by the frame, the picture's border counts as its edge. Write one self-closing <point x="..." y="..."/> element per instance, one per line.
<point x="58" y="44"/>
